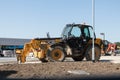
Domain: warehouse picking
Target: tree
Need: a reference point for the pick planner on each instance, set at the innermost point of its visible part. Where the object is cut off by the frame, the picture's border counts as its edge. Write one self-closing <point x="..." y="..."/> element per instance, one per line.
<point x="118" y="44"/>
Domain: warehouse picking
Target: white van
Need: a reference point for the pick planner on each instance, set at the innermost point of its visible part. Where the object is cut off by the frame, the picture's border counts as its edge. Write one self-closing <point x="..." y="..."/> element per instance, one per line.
<point x="8" y="53"/>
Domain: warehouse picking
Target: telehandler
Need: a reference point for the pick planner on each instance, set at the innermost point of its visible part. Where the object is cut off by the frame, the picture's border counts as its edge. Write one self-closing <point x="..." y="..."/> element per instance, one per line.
<point x="76" y="42"/>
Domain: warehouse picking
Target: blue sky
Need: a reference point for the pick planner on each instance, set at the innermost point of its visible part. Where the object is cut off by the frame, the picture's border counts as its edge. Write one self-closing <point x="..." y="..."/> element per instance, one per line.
<point x="34" y="18"/>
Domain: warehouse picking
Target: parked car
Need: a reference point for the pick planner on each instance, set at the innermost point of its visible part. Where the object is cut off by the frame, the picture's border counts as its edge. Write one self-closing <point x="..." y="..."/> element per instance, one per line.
<point x="117" y="51"/>
<point x="8" y="53"/>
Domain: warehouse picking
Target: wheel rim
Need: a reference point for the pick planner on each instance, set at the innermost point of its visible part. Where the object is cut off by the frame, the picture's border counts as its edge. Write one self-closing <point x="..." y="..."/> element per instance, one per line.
<point x="56" y="54"/>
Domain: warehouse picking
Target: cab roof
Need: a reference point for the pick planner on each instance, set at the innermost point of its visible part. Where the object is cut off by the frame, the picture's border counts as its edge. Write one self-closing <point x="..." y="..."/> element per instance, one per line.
<point x="77" y="24"/>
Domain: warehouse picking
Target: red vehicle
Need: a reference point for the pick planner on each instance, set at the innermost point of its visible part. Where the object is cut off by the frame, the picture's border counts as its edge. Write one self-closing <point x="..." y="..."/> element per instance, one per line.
<point x="109" y="48"/>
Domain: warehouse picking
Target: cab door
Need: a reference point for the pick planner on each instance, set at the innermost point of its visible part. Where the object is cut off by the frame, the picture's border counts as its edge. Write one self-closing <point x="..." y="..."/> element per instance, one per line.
<point x="75" y="40"/>
<point x="88" y="33"/>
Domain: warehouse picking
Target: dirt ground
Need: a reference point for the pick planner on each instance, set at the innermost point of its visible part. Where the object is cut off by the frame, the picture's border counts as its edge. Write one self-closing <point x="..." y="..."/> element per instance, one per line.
<point x="61" y="70"/>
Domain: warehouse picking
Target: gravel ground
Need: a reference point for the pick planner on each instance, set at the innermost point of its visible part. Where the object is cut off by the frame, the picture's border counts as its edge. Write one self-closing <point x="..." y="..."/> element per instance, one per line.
<point x="61" y="70"/>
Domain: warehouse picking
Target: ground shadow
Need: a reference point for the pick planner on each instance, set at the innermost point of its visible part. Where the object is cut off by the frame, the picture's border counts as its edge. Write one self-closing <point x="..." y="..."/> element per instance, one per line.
<point x="5" y="73"/>
<point x="72" y="78"/>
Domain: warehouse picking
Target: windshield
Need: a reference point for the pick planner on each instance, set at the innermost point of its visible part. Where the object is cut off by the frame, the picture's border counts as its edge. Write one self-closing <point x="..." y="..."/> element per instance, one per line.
<point x="66" y="31"/>
<point x="71" y="31"/>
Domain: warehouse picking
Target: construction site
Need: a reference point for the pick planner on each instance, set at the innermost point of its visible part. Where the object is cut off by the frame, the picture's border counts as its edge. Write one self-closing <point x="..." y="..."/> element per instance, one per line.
<point x="67" y="57"/>
<point x="59" y="40"/>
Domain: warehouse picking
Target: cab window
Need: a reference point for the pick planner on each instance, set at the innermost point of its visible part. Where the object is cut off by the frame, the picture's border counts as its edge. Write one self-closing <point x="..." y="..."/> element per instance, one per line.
<point x="91" y="32"/>
<point x="86" y="32"/>
<point x="76" y="32"/>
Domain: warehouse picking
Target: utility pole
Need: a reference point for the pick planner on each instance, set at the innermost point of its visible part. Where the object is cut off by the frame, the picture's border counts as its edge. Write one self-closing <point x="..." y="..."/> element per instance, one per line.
<point x="93" y="24"/>
<point x="103" y="34"/>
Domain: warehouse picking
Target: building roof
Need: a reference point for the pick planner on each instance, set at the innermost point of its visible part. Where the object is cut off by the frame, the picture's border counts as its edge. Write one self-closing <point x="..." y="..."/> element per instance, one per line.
<point x="13" y="41"/>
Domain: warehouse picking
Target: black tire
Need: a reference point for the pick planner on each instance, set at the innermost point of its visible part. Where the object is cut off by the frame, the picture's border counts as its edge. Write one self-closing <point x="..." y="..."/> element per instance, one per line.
<point x="57" y="54"/>
<point x="89" y="53"/>
<point x="43" y="60"/>
<point x="78" y="58"/>
<point x="1" y="55"/>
